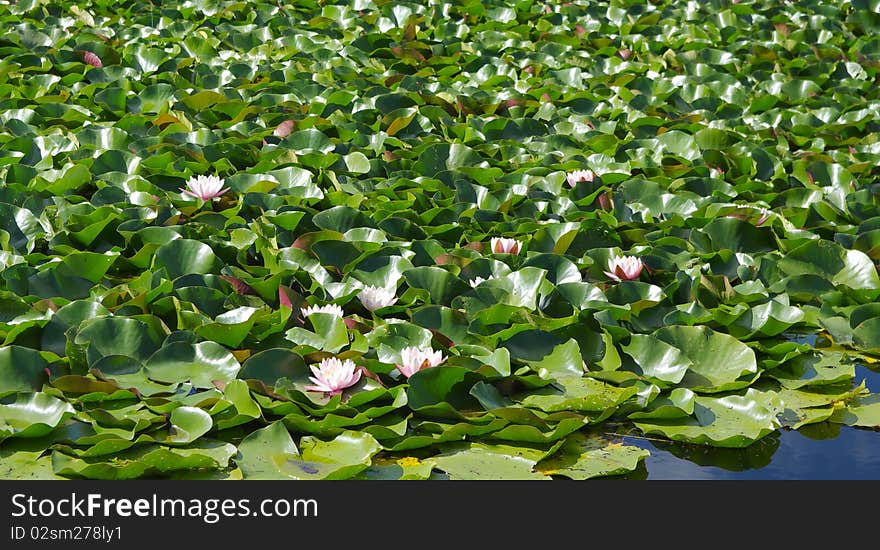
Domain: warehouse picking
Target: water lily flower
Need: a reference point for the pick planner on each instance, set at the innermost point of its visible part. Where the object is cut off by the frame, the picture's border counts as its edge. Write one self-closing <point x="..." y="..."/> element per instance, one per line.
<point x="375" y="297"/>
<point x="284" y="129"/>
<point x="414" y="359"/>
<point x="92" y="59"/>
<point x="625" y="268"/>
<point x="578" y="176"/>
<point x="624" y="53"/>
<point x="332" y="375"/>
<point x="332" y="309"/>
<point x="500" y="245"/>
<point x="205" y="187"/>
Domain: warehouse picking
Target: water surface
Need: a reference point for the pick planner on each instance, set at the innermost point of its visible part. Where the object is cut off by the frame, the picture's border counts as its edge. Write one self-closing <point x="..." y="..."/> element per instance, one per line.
<point x="819" y="451"/>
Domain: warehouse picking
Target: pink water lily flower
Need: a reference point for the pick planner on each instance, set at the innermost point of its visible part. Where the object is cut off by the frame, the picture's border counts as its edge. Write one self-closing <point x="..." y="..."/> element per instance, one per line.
<point x="374" y="297"/>
<point x="332" y="309"/>
<point x="500" y="245"/>
<point x="284" y="129"/>
<point x="332" y="376"/>
<point x="414" y="359"/>
<point x="92" y="59"/>
<point x="204" y="187"/>
<point x="578" y="176"/>
<point x="625" y="268"/>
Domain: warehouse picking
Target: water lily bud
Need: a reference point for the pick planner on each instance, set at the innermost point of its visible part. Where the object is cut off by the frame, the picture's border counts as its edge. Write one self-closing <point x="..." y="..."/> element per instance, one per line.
<point x="577" y="176"/>
<point x="91" y="59"/>
<point x="284" y="129"/>
<point x="501" y="245"/>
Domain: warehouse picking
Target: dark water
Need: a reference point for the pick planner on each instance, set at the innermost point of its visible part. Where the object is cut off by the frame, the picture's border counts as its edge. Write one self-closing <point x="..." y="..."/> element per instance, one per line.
<point x="818" y="451"/>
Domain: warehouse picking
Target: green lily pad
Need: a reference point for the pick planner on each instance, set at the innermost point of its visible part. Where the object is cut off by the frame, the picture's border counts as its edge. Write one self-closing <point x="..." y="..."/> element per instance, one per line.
<point x="476" y="461"/>
<point x="730" y="421"/>
<point x="32" y="415"/>
<point x="718" y="362"/>
<point x="21" y="370"/>
<point x="582" y="457"/>
<point x="201" y="364"/>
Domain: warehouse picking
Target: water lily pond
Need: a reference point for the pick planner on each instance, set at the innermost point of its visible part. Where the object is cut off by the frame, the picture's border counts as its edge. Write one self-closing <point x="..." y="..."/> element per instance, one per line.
<point x="363" y="239"/>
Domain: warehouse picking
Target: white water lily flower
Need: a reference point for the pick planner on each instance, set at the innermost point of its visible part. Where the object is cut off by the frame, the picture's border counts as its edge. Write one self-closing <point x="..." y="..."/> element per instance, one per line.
<point x="205" y="187"/>
<point x="414" y="359"/>
<point x="500" y="245"/>
<point x="577" y="176"/>
<point x="332" y="309"/>
<point x="625" y="268"/>
<point x="332" y="375"/>
<point x="375" y="297"/>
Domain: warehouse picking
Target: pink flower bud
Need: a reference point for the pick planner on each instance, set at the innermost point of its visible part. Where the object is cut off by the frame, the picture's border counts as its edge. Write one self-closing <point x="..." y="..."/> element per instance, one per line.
<point x="91" y="59"/>
<point x="501" y="245"/>
<point x="284" y="129"/>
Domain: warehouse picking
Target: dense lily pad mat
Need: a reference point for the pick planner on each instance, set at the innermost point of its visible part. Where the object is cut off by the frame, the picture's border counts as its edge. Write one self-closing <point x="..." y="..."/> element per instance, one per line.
<point x="732" y="147"/>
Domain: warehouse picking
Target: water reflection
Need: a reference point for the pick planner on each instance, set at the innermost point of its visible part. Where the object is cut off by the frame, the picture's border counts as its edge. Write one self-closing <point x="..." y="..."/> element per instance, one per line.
<point x="817" y="451"/>
<point x="755" y="456"/>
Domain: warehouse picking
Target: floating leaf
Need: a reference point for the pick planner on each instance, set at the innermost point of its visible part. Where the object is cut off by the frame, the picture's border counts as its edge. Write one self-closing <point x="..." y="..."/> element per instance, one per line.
<point x="730" y="421"/>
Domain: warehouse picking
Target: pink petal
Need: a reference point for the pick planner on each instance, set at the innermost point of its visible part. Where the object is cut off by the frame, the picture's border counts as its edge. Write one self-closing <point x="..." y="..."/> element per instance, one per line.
<point x="284" y="129"/>
<point x="91" y="59"/>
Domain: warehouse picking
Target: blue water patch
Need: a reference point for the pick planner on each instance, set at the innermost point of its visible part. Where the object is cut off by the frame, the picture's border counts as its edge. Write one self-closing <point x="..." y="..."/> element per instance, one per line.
<point x="818" y="451"/>
<point x="821" y="451"/>
<point x="871" y="378"/>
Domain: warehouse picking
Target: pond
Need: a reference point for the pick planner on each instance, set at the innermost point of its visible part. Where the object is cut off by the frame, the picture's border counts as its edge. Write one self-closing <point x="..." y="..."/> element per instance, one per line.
<point x="819" y="451"/>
